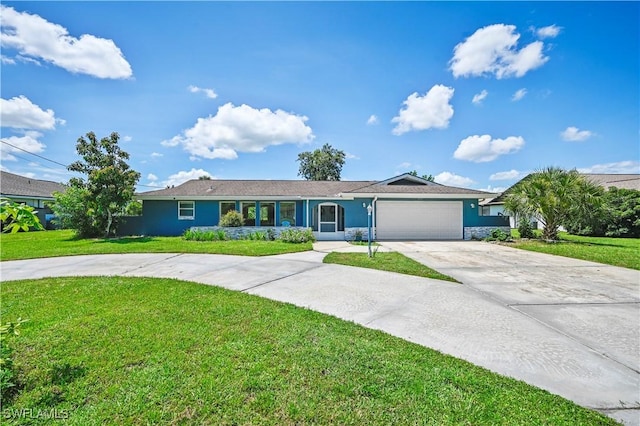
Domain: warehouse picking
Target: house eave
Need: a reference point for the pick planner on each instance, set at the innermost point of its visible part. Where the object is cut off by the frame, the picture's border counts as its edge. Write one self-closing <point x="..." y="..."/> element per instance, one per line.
<point x="240" y="198"/>
<point x="386" y="195"/>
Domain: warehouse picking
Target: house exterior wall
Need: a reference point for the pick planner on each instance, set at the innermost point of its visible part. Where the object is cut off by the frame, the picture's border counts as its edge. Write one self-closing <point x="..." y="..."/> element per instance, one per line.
<point x="160" y="217"/>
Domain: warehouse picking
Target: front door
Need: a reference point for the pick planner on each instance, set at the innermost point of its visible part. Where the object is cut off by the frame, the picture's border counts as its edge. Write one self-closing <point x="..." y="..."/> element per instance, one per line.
<point x="328" y="218"/>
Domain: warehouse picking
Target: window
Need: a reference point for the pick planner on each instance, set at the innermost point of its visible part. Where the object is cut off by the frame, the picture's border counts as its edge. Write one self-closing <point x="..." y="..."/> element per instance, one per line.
<point x="186" y="210"/>
<point x="226" y="207"/>
<point x="267" y="214"/>
<point x="288" y="213"/>
<point x="249" y="214"/>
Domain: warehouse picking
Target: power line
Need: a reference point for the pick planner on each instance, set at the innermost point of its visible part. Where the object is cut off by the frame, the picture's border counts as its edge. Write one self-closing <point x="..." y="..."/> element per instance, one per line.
<point x="39" y="156"/>
<point x="53" y="161"/>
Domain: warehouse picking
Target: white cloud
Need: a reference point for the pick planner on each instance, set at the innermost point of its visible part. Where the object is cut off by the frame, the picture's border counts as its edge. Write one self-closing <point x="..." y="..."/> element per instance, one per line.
<point x="620" y="167"/>
<point x="350" y="156"/>
<point x="182" y="177"/>
<point x="7" y="60"/>
<point x="36" y="38"/>
<point x="573" y="134"/>
<point x="481" y="149"/>
<point x="151" y="177"/>
<point x="404" y="166"/>
<point x="29" y="142"/>
<point x="551" y="31"/>
<point x="425" y="112"/>
<point x="519" y="95"/>
<point x="209" y="93"/>
<point x="493" y="50"/>
<point x="241" y="129"/>
<point x="20" y="113"/>
<point x="451" y="179"/>
<point x="509" y="175"/>
<point x="479" y="97"/>
<point x="127" y="139"/>
<point x="156" y="155"/>
<point x="373" y="119"/>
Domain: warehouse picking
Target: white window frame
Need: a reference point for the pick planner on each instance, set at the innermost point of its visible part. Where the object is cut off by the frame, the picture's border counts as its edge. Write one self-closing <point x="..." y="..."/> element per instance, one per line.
<point x="226" y="202"/>
<point x="192" y="208"/>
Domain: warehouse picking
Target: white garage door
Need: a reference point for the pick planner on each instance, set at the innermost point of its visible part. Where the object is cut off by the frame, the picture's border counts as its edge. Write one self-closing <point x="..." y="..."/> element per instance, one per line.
<point x="419" y="220"/>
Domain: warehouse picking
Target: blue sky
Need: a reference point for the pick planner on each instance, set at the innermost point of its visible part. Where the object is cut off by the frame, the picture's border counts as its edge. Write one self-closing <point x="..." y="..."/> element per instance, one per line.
<point x="477" y="94"/>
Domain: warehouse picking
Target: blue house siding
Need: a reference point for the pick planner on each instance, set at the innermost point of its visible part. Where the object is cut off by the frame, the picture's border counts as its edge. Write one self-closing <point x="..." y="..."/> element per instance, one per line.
<point x="161" y="217"/>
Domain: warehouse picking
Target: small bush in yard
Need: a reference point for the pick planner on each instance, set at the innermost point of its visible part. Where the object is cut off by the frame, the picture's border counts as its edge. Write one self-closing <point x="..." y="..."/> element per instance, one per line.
<point x="198" y="235"/>
<point x="232" y="219"/>
<point x="525" y="229"/>
<point x="498" y="235"/>
<point x="297" y="235"/>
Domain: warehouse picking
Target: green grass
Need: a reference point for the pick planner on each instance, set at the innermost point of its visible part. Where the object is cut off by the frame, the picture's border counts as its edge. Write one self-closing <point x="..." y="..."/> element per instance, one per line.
<point x="158" y="351"/>
<point x="30" y="245"/>
<point x="623" y="252"/>
<point x="392" y="262"/>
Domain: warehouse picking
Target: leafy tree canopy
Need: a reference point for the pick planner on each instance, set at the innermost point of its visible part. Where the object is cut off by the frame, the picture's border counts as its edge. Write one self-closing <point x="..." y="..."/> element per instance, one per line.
<point x="430" y="178"/>
<point x="553" y="196"/>
<point x="109" y="182"/>
<point x="322" y="164"/>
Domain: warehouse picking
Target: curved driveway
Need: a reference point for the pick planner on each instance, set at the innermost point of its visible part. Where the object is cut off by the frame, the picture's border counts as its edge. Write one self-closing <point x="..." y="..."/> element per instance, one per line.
<point x="572" y="330"/>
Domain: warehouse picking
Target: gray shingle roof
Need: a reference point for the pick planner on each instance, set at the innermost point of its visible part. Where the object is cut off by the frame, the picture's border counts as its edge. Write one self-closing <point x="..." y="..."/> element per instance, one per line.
<point x="295" y="188"/>
<point x="619" y="181"/>
<point x="21" y="186"/>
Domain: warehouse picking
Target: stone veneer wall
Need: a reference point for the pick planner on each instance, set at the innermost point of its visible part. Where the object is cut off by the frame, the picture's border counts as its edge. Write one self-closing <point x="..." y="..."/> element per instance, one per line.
<point x="480" y="232"/>
<point x="235" y="233"/>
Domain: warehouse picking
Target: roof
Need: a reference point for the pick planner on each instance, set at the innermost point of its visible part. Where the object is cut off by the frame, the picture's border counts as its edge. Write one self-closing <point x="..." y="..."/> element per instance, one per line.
<point x="217" y="188"/>
<point x="625" y="181"/>
<point x="630" y="181"/>
<point x="22" y="186"/>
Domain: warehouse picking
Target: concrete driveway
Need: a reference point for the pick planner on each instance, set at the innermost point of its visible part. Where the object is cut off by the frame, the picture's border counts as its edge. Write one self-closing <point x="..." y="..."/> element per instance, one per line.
<point x="461" y="320"/>
<point x="596" y="306"/>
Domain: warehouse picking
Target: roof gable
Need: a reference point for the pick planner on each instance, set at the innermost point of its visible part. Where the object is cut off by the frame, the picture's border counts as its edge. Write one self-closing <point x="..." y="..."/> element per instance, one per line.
<point x="407" y="179"/>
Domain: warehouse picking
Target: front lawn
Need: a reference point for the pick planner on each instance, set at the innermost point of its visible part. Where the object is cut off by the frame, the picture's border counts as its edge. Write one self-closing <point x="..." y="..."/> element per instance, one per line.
<point x="30" y="245"/>
<point x="623" y="252"/>
<point x="392" y="262"/>
<point x="110" y="350"/>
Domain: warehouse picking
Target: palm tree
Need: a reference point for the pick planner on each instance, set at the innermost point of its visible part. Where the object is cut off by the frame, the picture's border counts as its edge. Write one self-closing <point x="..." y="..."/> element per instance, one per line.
<point x="553" y="196"/>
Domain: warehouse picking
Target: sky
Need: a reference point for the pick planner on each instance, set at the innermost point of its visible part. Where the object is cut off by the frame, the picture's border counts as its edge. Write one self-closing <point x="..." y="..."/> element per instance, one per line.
<point x="477" y="94"/>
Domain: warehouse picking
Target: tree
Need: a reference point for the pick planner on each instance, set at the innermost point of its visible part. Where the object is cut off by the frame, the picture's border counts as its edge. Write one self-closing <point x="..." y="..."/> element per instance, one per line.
<point x="321" y="164"/>
<point x="204" y="177"/>
<point x="109" y="180"/>
<point x="618" y="216"/>
<point x="71" y="210"/>
<point x="554" y="196"/>
<point x="430" y="178"/>
<point x="18" y="217"/>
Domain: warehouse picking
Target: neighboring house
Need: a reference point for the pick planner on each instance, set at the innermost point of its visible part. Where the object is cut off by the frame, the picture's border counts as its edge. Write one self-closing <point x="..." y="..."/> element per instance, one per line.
<point x="32" y="192"/>
<point x="495" y="206"/>
<point x="403" y="208"/>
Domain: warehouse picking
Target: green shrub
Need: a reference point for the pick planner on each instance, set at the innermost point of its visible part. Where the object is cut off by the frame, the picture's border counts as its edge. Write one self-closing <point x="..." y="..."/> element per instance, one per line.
<point x="232" y="219"/>
<point x="198" y="235"/>
<point x="498" y="235"/>
<point x="7" y="372"/>
<point x="525" y="229"/>
<point x="297" y="235"/>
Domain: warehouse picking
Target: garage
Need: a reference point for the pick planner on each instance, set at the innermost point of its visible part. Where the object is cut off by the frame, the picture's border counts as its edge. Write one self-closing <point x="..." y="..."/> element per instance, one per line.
<point x="419" y="220"/>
